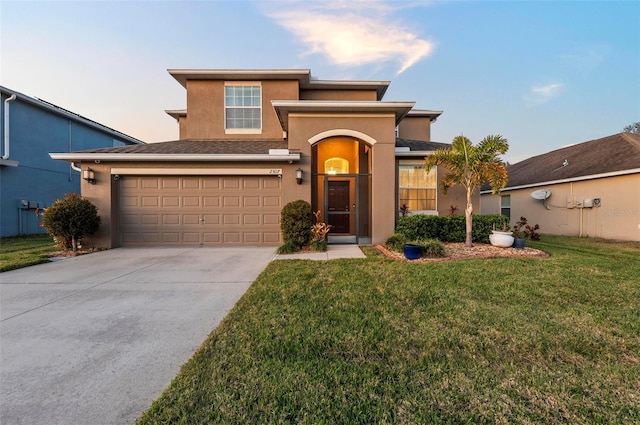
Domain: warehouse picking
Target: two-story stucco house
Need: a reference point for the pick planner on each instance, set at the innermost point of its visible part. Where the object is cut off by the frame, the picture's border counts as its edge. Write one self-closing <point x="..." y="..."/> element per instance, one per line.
<point x="253" y="140"/>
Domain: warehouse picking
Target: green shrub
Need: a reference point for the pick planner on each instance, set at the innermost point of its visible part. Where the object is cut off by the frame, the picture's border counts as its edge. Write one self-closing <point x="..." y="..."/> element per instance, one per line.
<point x="448" y="228"/>
<point x="295" y="222"/>
<point x="319" y="245"/>
<point x="69" y="219"/>
<point x="395" y="242"/>
<point x="288" y="247"/>
<point x="432" y="248"/>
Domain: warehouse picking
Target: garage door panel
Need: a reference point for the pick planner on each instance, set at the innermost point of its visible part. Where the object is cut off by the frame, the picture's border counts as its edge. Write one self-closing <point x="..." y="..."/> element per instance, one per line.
<point x="170" y="183"/>
<point x="231" y="237"/>
<point x="231" y="201"/>
<point x="211" y="201"/>
<point x="271" y="201"/>
<point x="170" y="201"/>
<point x="251" y="201"/>
<point x="149" y="219"/>
<point x="251" y="182"/>
<point x="271" y="219"/>
<point x="150" y="182"/>
<point x="251" y="219"/>
<point x="197" y="210"/>
<point x="170" y="219"/>
<point x="211" y="218"/>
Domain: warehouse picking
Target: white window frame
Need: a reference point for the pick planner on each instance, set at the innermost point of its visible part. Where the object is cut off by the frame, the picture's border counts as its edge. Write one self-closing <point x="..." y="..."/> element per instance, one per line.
<point x="242" y="130"/>
<point x="434" y="169"/>
<point x="505" y="205"/>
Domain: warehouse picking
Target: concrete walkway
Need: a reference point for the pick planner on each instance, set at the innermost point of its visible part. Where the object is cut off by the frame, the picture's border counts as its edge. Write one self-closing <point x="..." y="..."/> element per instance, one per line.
<point x="333" y="252"/>
<point x="95" y="339"/>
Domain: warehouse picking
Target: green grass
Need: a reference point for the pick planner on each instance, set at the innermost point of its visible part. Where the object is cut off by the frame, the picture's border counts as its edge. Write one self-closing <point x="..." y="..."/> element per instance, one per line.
<point x="22" y="251"/>
<point x="553" y="340"/>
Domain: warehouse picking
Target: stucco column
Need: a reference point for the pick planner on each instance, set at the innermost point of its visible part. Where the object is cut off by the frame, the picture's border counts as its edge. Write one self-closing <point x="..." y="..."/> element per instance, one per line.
<point x="383" y="191"/>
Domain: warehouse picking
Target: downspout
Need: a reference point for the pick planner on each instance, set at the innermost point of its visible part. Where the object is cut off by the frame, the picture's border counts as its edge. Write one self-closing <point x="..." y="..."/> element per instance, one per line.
<point x="5" y="155"/>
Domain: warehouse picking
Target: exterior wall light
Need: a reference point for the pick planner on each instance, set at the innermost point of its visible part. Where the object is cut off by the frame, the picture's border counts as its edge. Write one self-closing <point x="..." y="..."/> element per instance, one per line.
<point x="89" y="176"/>
<point x="299" y="175"/>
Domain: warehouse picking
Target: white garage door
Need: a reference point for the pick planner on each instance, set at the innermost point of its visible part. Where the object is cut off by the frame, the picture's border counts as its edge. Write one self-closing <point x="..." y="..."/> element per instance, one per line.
<point x="200" y="210"/>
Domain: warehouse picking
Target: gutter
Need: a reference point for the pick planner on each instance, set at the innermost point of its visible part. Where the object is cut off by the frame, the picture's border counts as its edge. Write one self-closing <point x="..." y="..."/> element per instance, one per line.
<point x="7" y="143"/>
<point x="121" y="157"/>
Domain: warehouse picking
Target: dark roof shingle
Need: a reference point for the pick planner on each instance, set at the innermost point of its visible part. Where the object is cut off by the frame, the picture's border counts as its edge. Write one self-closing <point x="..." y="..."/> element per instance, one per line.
<point x="206" y="147"/>
<point x="618" y="152"/>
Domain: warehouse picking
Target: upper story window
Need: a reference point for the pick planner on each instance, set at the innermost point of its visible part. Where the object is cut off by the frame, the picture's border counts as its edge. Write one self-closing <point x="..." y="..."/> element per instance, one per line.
<point x="417" y="187"/>
<point x="243" y="108"/>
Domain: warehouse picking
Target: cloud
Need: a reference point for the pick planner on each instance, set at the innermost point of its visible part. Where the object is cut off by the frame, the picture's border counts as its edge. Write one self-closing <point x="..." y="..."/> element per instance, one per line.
<point x="538" y="95"/>
<point x="354" y="36"/>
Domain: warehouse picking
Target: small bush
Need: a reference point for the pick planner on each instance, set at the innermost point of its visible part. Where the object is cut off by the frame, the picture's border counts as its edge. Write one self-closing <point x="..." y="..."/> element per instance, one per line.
<point x="432" y="248"/>
<point x="288" y="247"/>
<point x="295" y="223"/>
<point x="319" y="245"/>
<point x="69" y="219"/>
<point x="448" y="228"/>
<point x="395" y="242"/>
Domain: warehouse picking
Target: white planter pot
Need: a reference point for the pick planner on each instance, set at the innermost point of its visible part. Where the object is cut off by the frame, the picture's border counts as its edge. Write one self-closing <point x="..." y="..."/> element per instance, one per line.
<point x="501" y="239"/>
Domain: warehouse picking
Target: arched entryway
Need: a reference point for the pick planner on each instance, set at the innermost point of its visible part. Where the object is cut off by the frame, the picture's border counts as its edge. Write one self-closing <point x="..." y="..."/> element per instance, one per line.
<point x="341" y="187"/>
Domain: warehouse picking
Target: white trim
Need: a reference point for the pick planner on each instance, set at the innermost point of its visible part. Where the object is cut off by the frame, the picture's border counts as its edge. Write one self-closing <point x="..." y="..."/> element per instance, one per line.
<point x="342" y="132"/>
<point x="234" y="130"/>
<point x="198" y="171"/>
<point x="569" y="180"/>
<point x="78" y="156"/>
<point x="243" y="130"/>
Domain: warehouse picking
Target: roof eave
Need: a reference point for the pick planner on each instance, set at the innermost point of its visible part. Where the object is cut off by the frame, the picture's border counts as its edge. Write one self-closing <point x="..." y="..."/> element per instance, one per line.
<point x="182" y="75"/>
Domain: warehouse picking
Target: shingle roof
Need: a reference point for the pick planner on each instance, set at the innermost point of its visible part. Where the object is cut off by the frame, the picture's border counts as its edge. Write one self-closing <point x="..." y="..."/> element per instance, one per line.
<point x="211" y="147"/>
<point x="235" y="147"/>
<point x="619" y="152"/>
<point x="419" y="145"/>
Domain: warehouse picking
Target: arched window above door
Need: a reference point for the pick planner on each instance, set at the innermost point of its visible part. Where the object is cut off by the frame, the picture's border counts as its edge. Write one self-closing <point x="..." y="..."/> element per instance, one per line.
<point x="336" y="165"/>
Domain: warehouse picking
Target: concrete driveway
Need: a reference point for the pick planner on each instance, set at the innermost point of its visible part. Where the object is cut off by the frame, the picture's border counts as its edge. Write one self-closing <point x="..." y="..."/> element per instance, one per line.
<point x="95" y="339"/>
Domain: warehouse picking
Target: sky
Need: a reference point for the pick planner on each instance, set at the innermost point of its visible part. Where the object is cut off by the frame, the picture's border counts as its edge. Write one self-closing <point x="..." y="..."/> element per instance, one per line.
<point x="543" y="74"/>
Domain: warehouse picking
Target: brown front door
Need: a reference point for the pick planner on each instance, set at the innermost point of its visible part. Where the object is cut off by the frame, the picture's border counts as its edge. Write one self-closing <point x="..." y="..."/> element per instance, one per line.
<point x="338" y="207"/>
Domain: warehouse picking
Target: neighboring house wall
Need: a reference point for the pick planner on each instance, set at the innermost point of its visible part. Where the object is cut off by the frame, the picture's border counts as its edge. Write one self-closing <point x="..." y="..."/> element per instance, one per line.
<point x="617" y="217"/>
<point x="35" y="129"/>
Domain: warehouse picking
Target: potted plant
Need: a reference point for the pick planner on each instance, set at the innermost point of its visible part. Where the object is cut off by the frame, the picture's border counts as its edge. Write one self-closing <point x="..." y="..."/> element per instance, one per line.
<point x="412" y="251"/>
<point x="519" y="234"/>
<point x="501" y="237"/>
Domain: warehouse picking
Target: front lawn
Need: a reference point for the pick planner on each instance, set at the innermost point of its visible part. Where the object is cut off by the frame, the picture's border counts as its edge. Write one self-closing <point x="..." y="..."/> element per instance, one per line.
<point x="553" y="340"/>
<point x="23" y="251"/>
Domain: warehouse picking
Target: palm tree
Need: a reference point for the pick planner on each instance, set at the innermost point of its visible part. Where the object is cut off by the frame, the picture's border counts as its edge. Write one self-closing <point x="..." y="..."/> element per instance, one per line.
<point x="471" y="166"/>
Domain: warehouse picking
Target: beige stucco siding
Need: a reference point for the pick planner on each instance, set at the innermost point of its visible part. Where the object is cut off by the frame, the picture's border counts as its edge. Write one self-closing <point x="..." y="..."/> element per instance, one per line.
<point x="205" y="106"/>
<point x="618" y="216"/>
<point x="379" y="127"/>
<point x="338" y="95"/>
<point x="415" y="128"/>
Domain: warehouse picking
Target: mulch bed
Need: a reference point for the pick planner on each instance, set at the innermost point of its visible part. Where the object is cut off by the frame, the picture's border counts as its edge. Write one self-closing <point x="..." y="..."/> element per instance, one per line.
<point x="457" y="251"/>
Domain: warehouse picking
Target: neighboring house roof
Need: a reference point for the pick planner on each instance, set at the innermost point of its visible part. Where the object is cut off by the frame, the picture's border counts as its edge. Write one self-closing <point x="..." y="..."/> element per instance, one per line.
<point x="302" y="75"/>
<point x="43" y="104"/>
<point x="611" y="155"/>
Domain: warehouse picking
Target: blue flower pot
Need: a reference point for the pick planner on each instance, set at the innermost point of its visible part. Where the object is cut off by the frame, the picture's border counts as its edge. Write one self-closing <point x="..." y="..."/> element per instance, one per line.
<point x="519" y="243"/>
<point x="411" y="251"/>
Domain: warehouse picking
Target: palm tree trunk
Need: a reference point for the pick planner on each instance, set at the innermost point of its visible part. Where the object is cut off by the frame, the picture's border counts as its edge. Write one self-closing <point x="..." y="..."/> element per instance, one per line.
<point x="468" y="223"/>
